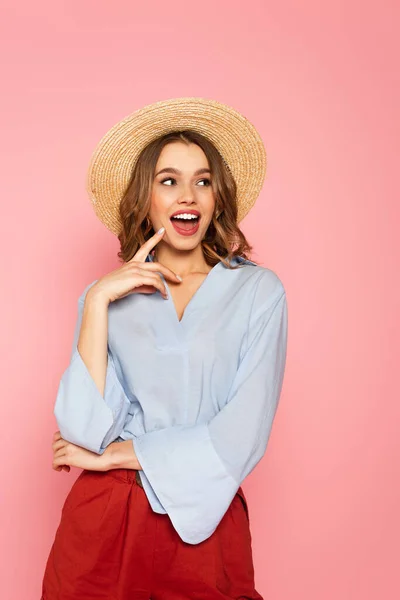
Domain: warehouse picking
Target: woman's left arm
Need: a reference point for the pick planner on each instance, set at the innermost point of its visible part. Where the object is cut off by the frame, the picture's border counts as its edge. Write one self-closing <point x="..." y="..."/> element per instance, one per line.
<point x="196" y="470"/>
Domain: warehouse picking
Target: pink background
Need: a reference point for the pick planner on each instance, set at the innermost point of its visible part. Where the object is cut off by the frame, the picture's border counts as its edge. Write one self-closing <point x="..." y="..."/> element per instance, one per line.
<point x="321" y="83"/>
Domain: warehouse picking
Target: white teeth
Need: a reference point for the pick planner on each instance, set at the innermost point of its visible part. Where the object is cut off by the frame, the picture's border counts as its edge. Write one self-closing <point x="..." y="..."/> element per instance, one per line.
<point x="185" y="216"/>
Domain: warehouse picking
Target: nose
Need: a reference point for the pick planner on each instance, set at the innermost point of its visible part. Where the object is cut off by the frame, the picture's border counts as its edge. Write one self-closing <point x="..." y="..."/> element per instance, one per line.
<point x="187" y="195"/>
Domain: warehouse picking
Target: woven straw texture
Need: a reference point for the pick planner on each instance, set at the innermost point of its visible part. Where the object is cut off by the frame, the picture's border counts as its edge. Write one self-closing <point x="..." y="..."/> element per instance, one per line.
<point x="236" y="139"/>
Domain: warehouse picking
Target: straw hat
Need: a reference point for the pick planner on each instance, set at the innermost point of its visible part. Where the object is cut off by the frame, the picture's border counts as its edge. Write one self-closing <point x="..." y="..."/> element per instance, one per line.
<point x="235" y="138"/>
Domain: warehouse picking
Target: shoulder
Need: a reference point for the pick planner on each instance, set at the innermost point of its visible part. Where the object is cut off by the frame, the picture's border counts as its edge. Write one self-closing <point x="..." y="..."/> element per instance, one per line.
<point x="266" y="280"/>
<point x="82" y="297"/>
<point x="267" y="286"/>
<point x="270" y="284"/>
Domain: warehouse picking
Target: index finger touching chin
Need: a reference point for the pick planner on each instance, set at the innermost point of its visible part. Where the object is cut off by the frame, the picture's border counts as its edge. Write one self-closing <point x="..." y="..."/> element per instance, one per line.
<point x="148" y="245"/>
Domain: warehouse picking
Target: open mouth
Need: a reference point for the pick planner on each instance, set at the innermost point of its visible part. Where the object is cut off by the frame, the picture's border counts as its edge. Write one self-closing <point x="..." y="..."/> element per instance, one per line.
<point x="186" y="224"/>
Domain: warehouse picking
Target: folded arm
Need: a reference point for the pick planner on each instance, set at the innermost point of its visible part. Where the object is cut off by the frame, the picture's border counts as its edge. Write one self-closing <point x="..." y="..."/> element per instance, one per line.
<point x="196" y="470"/>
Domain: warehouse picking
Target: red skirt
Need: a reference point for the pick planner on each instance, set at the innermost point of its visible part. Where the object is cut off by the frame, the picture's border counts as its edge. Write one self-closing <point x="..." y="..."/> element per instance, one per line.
<point x="111" y="545"/>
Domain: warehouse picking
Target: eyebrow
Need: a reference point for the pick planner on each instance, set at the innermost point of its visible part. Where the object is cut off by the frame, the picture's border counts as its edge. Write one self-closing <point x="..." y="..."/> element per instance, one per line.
<point x="178" y="172"/>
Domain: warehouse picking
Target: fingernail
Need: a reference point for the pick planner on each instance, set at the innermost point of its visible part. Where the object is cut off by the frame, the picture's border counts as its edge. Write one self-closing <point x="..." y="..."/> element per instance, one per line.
<point x="178" y="277"/>
<point x="161" y="230"/>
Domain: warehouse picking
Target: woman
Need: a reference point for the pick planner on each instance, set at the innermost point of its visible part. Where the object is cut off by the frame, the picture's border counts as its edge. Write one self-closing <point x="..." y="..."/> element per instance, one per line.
<point x="176" y="368"/>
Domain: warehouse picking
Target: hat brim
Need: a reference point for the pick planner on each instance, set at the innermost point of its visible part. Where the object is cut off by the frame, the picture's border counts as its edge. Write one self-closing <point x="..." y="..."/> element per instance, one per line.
<point x="236" y="139"/>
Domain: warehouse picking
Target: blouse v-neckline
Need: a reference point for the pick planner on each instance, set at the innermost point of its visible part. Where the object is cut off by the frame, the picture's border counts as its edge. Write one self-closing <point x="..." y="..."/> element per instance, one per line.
<point x="194" y="298"/>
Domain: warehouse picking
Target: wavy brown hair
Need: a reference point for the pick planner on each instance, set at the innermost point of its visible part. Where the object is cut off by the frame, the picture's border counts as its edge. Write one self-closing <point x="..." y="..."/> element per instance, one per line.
<point x="223" y="238"/>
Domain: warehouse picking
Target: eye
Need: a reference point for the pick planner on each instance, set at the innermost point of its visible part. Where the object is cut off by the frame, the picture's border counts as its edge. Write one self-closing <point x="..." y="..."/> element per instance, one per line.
<point x="207" y="180"/>
<point x="168" y="179"/>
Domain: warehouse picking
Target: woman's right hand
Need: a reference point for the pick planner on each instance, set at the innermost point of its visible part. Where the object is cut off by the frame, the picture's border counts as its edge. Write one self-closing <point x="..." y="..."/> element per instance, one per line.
<point x="136" y="275"/>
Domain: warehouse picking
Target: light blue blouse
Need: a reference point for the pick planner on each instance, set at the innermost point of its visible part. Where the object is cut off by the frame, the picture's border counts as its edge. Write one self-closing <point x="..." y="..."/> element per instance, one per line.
<point x="197" y="397"/>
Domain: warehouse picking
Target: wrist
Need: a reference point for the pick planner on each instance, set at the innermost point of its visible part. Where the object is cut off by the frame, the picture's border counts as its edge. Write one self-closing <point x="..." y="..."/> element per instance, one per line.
<point x="96" y="296"/>
<point x="121" y="455"/>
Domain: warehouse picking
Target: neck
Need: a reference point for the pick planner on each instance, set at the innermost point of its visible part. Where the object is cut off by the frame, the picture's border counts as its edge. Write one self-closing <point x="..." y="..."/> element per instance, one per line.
<point x="182" y="262"/>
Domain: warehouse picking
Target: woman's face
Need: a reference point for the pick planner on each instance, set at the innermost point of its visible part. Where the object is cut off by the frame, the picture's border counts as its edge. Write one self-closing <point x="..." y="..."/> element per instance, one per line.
<point x="184" y="186"/>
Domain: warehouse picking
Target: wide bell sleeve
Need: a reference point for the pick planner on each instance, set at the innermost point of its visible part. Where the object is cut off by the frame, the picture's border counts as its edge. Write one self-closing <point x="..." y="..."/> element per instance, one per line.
<point x="83" y="415"/>
<point x="196" y="470"/>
